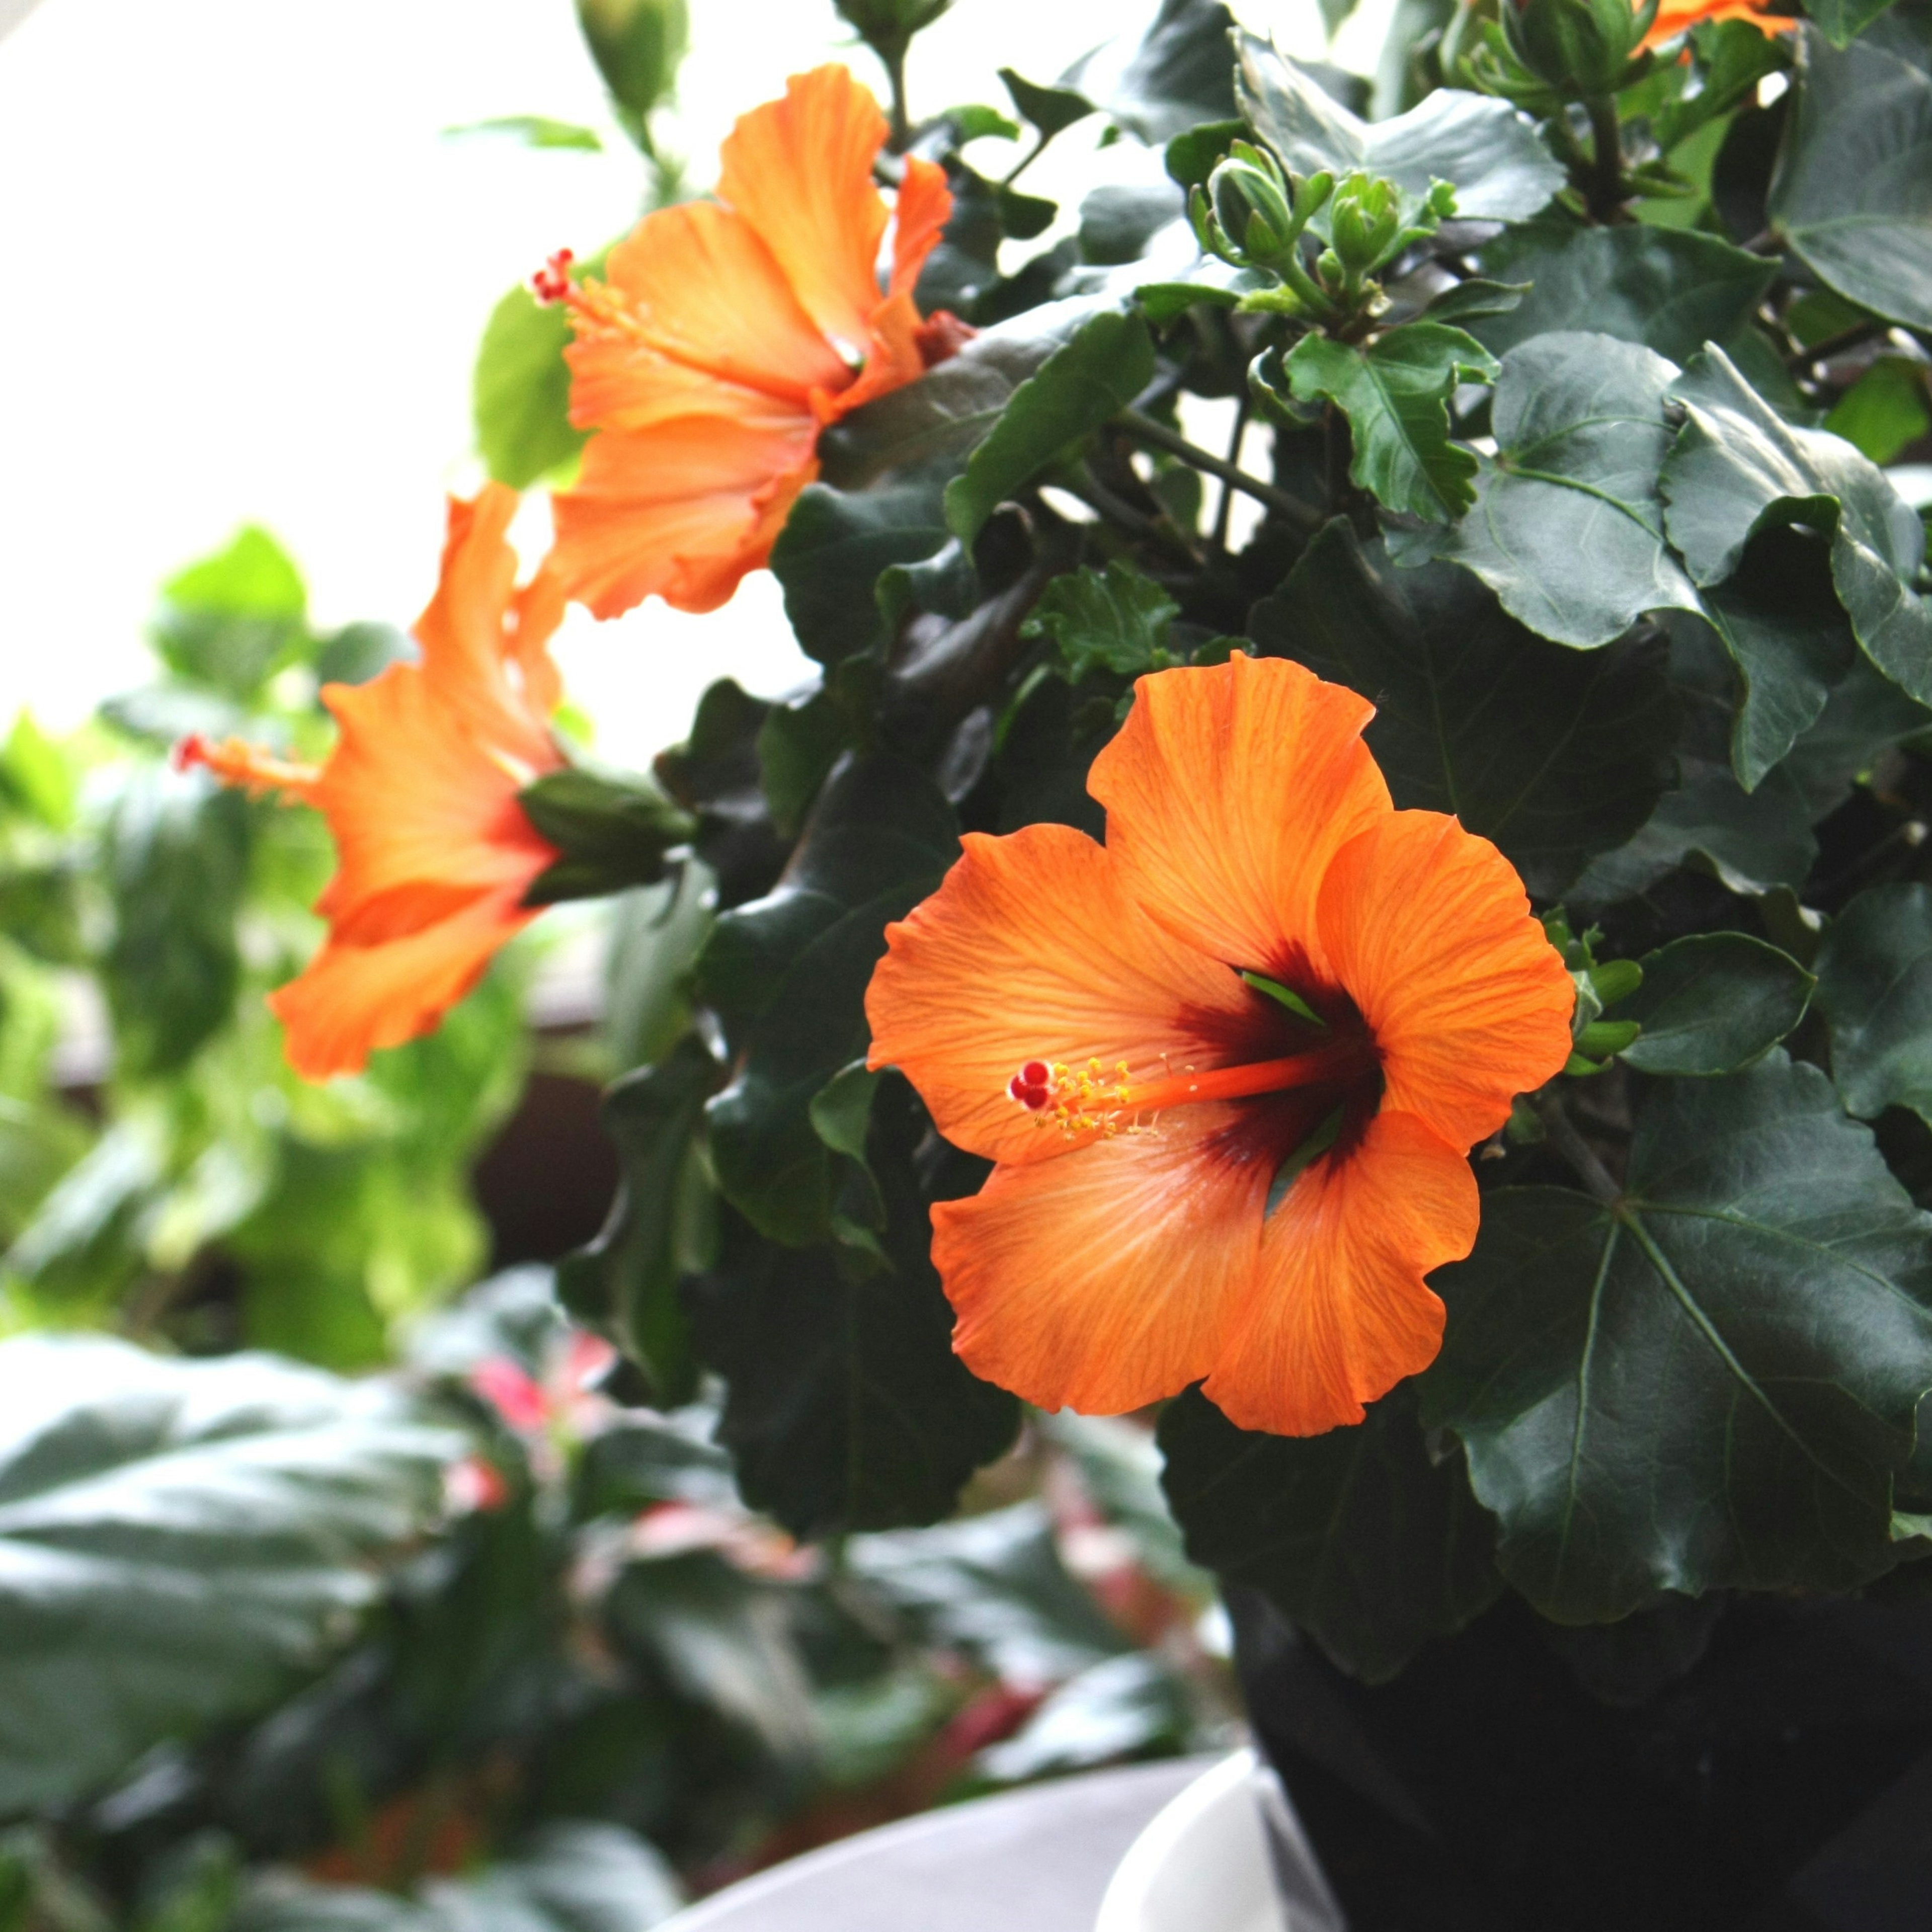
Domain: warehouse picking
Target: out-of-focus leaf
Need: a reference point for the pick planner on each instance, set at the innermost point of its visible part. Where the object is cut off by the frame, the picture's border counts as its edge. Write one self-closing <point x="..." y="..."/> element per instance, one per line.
<point x="1492" y="154"/>
<point x="178" y="1541"/>
<point x="612" y="831"/>
<point x="230" y="622"/>
<point x="1711" y="1003"/>
<point x="1128" y="1707"/>
<point x="1875" y="986"/>
<point x="177" y="863"/>
<point x="1555" y="754"/>
<point x="1120" y="1464"/>
<point x="83" y="1243"/>
<point x="1852" y="192"/>
<point x="1361" y="1537"/>
<point x="1709" y="1384"/>
<point x="1671" y="289"/>
<point x="1737" y="468"/>
<point x="1050" y="109"/>
<point x="520" y="392"/>
<point x="1884" y="410"/>
<point x="1395" y="392"/>
<point x="36" y="777"/>
<point x="536" y="130"/>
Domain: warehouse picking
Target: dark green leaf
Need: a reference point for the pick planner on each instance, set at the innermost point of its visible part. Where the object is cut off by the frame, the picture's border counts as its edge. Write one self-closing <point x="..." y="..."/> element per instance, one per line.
<point x="181" y="1539"/>
<point x="1670" y="290"/>
<point x="1395" y="392"/>
<point x="1709" y="1384"/>
<point x="1843" y="21"/>
<point x="1884" y="410"/>
<point x="1473" y="298"/>
<point x="1554" y="754"/>
<point x="1181" y="74"/>
<point x="1118" y="220"/>
<point x="1050" y="109"/>
<point x="789" y="973"/>
<point x="611" y="832"/>
<point x="1360" y="1537"/>
<point x="177" y="857"/>
<point x="1738" y="467"/>
<point x="1712" y="1003"/>
<point x="1192" y="157"/>
<point x="229" y="622"/>
<point x="1102" y="369"/>
<point x="624" y="1282"/>
<point x="1875" y="986"/>
<point x="1116" y="620"/>
<point x="1568" y="527"/>
<point x="520" y="392"/>
<point x="1865" y="716"/>
<point x="1492" y="154"/>
<point x="1853" y="187"/>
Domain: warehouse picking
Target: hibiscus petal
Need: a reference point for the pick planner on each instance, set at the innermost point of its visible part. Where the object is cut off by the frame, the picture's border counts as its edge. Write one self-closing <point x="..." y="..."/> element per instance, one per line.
<point x="1228" y="790"/>
<point x="1337" y="1313"/>
<point x="919" y="217"/>
<point x="683" y="509"/>
<point x="1105" y="1280"/>
<point x="1428" y="927"/>
<point x="799" y="170"/>
<point x="1032" y="949"/>
<point x="350" y="999"/>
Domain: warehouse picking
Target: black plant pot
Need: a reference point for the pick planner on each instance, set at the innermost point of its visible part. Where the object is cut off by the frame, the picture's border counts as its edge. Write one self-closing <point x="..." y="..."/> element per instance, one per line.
<point x="1752" y="1765"/>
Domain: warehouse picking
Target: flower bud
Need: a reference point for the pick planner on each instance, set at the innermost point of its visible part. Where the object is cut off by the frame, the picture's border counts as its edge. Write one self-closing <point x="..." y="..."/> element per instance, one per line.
<point x="884" y="24"/>
<point x="1580" y="47"/>
<point x="1364" y="220"/>
<point x="1249" y="194"/>
<point x="636" y="45"/>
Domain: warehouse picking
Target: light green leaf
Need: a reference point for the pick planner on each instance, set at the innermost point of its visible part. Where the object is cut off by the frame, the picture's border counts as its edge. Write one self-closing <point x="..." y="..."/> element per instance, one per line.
<point x="1114" y="620"/>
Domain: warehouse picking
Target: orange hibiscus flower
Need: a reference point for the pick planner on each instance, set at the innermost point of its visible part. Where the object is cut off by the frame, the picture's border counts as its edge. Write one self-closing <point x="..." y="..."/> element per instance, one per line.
<point x="1677" y="17"/>
<point x="435" y="854"/>
<point x="726" y="336"/>
<point x="1087" y="1016"/>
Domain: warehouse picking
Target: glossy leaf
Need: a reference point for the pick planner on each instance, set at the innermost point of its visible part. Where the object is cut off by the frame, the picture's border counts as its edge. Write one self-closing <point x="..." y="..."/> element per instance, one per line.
<point x="1554" y="754"/>
<point x="789" y="973"/>
<point x="1712" y="1002"/>
<point x="1709" y="1383"/>
<point x="1360" y="1537"/>
<point x="1395" y="392"/>
<point x="181" y="1541"/>
<point x="1492" y="154"/>
<point x="1875" y="987"/>
<point x="1852" y="192"/>
<point x="1670" y="290"/>
<point x="612" y="833"/>
<point x="1098" y="372"/>
<point x="1181" y="73"/>
<point x="1568" y="527"/>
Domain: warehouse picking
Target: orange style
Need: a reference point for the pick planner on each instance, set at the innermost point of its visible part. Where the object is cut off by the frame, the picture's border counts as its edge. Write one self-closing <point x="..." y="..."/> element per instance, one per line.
<point x="1078" y="1013"/>
<point x="434" y="852"/>
<point x="727" y="335"/>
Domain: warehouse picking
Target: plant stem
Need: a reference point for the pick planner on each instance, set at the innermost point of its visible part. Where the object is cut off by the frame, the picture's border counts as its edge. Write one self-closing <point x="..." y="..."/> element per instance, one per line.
<point x="1227" y="502"/>
<point x="1286" y="507"/>
<point x="1606" y="194"/>
<point x="1834" y="345"/>
<point x="894" y="56"/>
<point x="1574" y="1148"/>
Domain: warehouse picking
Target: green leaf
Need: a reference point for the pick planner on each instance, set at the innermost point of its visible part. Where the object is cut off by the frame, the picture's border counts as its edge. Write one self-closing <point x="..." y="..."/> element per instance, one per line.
<point x="659" y="1228"/>
<point x="1568" y="527"/>
<point x="177" y="861"/>
<point x="847" y="1408"/>
<point x="1101" y="370"/>
<point x="1713" y="1003"/>
<point x="1709" y="1383"/>
<point x="1864" y="717"/>
<point x="1128" y="1707"/>
<point x="1120" y="1464"/>
<point x="789" y="973"/>
<point x="569" y="1875"/>
<point x="1843" y="21"/>
<point x="520" y="392"/>
<point x="612" y="831"/>
<point x="37" y="777"/>
<point x="1852" y="192"/>
<point x="1360" y="1537"/>
<point x="1181" y="74"/>
<point x="1886" y="410"/>
<point x="1554" y="754"/>
<point x="181" y="1541"/>
<point x="536" y="130"/>
<point x="229" y="622"/>
<point x="1875" y="988"/>
<point x="1670" y="289"/>
<point x="1492" y="154"/>
<point x="1395" y="392"/>
<point x="1116" y="620"/>
<point x="1050" y="109"/>
<point x="1191" y="157"/>
<point x="1738" y="467"/>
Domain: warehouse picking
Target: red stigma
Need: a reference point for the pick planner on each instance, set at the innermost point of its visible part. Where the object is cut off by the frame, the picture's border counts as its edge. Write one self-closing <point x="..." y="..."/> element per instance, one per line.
<point x="1031" y="1086"/>
<point x="1035" y="1073"/>
<point x="551" y="282"/>
<point x="189" y="752"/>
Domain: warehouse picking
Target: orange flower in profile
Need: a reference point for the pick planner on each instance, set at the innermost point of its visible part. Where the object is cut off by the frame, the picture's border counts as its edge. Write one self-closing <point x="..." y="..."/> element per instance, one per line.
<point x="1086" y="1016"/>
<point x="726" y="336"/>
<point x="1677" y="17"/>
<point x="434" y="853"/>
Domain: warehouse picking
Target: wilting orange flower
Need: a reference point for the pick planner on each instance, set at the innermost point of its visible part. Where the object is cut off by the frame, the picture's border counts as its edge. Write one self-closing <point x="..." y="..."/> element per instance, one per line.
<point x="1077" y="1013"/>
<point x="1677" y="17"/>
<point x="434" y="853"/>
<point x="725" y="337"/>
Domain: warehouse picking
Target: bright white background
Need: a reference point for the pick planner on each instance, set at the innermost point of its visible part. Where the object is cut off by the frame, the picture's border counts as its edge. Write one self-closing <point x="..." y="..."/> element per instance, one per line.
<point x="245" y="270"/>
